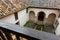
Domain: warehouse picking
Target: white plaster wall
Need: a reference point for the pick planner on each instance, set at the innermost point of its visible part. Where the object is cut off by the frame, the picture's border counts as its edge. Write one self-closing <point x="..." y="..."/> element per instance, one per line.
<point x="58" y="28"/>
<point x="47" y="11"/>
<point x="23" y="17"/>
<point x="9" y="19"/>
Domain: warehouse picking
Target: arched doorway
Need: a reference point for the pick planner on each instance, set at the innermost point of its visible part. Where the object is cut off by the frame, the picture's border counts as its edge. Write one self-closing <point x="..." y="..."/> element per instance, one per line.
<point x="51" y="19"/>
<point x="32" y="15"/>
<point x="41" y="16"/>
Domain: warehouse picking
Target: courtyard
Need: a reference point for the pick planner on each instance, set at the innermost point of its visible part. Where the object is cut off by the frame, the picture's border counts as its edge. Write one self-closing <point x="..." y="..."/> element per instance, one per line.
<point x="41" y="27"/>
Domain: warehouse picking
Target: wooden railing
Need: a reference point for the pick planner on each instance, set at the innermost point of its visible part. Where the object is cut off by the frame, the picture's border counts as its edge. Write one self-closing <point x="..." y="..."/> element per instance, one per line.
<point x="7" y="32"/>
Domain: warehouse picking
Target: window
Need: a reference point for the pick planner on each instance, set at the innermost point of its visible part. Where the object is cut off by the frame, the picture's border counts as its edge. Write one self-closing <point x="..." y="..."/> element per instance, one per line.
<point x="16" y="15"/>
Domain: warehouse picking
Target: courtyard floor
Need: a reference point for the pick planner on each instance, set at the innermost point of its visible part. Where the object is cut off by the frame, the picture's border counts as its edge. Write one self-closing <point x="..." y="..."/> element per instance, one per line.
<point x="46" y="28"/>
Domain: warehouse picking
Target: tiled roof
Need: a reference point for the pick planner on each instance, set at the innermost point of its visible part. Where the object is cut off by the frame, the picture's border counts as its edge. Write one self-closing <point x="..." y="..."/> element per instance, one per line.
<point x="11" y="6"/>
<point x="45" y="3"/>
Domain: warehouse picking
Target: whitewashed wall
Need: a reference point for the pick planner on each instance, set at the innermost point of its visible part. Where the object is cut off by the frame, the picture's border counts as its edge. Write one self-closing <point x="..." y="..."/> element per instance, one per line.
<point x="23" y="17"/>
<point x="9" y="19"/>
<point x="46" y="11"/>
<point x="58" y="28"/>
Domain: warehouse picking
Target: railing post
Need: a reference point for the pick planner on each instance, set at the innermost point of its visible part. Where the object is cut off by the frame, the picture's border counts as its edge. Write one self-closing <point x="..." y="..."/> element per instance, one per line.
<point x="2" y="35"/>
<point x="8" y="35"/>
<point x="17" y="37"/>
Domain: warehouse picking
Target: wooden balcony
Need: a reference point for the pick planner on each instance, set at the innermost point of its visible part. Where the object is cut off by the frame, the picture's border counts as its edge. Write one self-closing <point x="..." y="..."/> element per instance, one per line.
<point x="15" y="32"/>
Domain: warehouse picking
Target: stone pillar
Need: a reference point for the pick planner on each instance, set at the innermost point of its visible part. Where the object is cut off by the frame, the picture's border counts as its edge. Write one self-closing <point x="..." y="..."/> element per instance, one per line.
<point x="35" y="18"/>
<point x="45" y="19"/>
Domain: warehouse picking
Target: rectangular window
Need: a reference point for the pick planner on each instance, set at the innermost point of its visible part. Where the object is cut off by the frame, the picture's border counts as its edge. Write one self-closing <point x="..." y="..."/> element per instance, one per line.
<point x="16" y="15"/>
<point x="16" y="18"/>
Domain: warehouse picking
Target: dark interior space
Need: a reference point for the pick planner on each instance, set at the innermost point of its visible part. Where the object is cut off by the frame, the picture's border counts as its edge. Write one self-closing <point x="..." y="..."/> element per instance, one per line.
<point x="41" y="16"/>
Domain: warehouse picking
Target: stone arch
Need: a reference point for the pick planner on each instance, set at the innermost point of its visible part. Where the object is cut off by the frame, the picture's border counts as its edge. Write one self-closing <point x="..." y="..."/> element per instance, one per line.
<point x="51" y="18"/>
<point x="41" y="16"/>
<point x="32" y="15"/>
